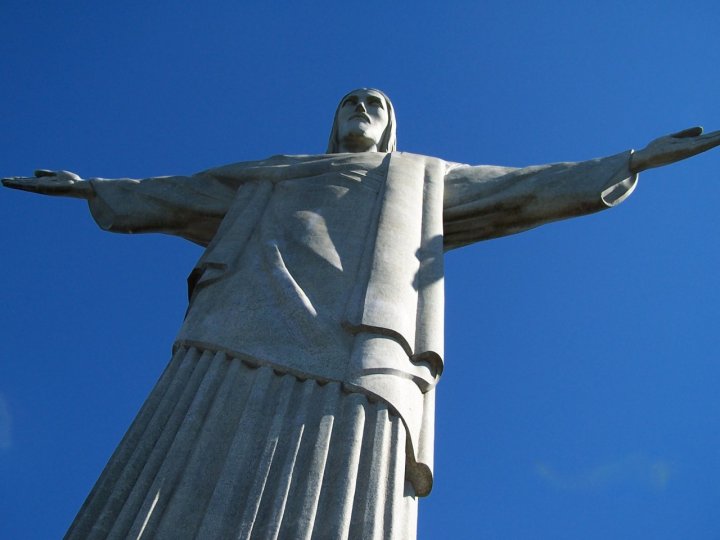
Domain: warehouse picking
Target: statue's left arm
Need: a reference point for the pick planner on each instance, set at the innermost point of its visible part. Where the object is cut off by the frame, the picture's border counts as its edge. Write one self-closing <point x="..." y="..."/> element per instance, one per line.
<point x="487" y="202"/>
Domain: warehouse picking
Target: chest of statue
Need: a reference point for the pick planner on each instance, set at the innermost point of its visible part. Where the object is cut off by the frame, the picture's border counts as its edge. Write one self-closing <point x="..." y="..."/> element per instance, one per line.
<point x="292" y="252"/>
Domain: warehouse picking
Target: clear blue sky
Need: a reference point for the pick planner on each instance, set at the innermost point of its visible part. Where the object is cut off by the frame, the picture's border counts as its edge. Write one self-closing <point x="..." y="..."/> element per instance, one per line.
<point x="580" y="394"/>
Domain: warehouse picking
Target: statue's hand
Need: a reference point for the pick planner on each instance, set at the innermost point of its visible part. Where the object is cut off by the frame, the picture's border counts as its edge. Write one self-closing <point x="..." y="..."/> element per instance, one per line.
<point x="51" y="183"/>
<point x="672" y="148"/>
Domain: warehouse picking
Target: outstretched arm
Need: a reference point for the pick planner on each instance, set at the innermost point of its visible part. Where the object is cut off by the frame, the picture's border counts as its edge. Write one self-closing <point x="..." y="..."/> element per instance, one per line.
<point x="672" y="148"/>
<point x="486" y="202"/>
<point x="483" y="202"/>
<point x="188" y="206"/>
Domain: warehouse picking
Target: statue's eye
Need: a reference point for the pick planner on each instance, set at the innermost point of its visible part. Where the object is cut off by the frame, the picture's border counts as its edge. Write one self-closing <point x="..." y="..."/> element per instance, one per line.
<point x="352" y="100"/>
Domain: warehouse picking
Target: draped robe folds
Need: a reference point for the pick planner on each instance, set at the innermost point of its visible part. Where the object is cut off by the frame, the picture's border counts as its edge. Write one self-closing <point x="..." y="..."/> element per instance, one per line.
<point x="330" y="267"/>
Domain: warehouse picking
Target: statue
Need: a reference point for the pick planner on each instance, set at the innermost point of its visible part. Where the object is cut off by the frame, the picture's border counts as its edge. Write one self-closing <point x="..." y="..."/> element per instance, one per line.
<point x="299" y="400"/>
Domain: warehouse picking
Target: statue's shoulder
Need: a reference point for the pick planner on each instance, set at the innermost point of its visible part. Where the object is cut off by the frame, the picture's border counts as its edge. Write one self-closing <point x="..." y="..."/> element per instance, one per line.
<point x="279" y="160"/>
<point x="283" y="161"/>
<point x="430" y="162"/>
<point x="345" y="157"/>
<point x="419" y="157"/>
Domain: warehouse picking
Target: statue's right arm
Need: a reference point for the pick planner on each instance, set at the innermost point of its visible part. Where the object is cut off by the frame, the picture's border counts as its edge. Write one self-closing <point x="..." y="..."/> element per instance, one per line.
<point x="188" y="206"/>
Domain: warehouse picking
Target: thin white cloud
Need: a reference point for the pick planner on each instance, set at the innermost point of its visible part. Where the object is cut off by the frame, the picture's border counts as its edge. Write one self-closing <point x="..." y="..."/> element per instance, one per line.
<point x="631" y="470"/>
<point x="5" y="424"/>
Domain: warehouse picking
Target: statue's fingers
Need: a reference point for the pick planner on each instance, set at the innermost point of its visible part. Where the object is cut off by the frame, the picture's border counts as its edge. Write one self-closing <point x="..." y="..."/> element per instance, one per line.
<point x="20" y="182"/>
<point x="44" y="172"/>
<point x="712" y="135"/>
<point x="709" y="140"/>
<point x="689" y="132"/>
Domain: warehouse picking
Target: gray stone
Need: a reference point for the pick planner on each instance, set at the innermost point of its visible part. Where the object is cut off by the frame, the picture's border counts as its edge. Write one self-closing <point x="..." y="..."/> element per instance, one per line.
<point x="300" y="399"/>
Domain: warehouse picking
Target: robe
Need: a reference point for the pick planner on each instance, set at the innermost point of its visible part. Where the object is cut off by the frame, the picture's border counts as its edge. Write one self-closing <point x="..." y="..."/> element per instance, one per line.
<point x="322" y="278"/>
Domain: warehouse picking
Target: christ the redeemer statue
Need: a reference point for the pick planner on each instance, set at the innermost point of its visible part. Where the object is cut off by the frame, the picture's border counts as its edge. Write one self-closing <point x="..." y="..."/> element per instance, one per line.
<point x="299" y="400"/>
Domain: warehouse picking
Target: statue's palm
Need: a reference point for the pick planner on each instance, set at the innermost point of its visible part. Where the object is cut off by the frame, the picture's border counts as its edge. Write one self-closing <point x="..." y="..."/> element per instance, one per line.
<point x="675" y="147"/>
<point x="50" y="183"/>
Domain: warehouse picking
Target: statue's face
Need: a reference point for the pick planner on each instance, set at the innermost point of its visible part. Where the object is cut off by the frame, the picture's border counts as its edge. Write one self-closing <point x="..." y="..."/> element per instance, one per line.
<point x="362" y="118"/>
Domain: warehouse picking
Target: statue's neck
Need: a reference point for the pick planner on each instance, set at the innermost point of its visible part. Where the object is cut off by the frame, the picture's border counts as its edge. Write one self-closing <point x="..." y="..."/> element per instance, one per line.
<point x="357" y="144"/>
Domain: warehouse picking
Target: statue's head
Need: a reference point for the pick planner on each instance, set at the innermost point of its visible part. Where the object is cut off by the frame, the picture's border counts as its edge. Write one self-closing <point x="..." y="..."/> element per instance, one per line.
<point x="364" y="121"/>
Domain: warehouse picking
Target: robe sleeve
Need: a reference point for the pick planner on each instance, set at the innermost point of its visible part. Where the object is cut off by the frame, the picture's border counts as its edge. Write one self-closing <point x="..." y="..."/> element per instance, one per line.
<point x="188" y="206"/>
<point x="483" y="202"/>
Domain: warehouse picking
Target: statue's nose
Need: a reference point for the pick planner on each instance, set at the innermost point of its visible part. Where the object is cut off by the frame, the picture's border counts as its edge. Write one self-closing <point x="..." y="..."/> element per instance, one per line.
<point x="360" y="107"/>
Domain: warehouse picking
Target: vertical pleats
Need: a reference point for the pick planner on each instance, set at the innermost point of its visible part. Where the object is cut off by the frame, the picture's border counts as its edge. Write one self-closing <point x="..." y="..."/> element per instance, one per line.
<point x="222" y="449"/>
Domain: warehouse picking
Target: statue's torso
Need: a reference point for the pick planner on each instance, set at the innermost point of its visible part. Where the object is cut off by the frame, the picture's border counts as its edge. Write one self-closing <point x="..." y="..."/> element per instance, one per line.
<point x="285" y="295"/>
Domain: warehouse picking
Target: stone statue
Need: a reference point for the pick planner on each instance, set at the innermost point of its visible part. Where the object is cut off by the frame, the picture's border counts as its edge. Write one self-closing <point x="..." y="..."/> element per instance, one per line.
<point x="299" y="400"/>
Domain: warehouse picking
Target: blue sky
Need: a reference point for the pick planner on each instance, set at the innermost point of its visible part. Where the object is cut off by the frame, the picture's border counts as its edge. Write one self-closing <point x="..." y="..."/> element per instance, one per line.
<point x="579" y="398"/>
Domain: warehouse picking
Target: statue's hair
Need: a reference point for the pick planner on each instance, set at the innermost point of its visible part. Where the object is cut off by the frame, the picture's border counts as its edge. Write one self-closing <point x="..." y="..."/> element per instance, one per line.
<point x="388" y="141"/>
